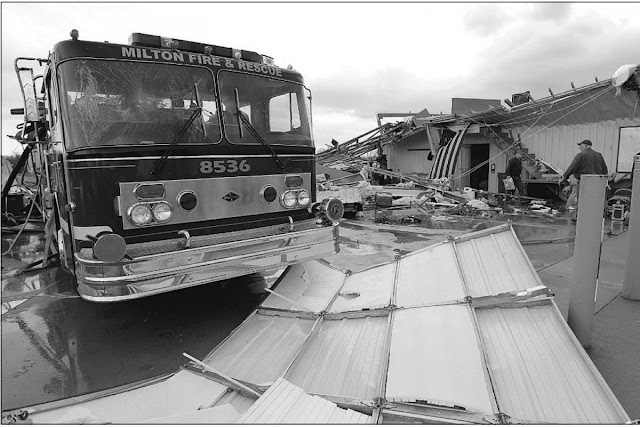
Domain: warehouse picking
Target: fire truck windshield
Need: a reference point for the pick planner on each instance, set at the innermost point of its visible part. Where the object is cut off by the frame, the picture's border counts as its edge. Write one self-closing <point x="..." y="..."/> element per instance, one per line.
<point x="276" y="109"/>
<point x="133" y="103"/>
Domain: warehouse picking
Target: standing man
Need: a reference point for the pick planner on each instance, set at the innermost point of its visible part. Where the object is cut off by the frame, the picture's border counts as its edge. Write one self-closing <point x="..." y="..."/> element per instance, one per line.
<point x="588" y="162"/>
<point x="514" y="170"/>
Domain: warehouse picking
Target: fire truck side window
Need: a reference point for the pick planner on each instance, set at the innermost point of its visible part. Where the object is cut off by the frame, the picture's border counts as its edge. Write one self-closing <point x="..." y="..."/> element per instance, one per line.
<point x="284" y="116"/>
<point x="135" y="103"/>
<point x="275" y="108"/>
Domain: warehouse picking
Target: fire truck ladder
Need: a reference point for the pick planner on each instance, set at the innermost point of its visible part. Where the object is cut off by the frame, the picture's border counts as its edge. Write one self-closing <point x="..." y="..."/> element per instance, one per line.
<point x="32" y="132"/>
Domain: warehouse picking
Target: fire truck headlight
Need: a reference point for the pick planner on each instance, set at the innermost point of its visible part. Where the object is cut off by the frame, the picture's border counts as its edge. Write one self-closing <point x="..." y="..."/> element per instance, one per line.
<point x="162" y="212"/>
<point x="289" y="199"/>
<point x="303" y="198"/>
<point x="140" y="214"/>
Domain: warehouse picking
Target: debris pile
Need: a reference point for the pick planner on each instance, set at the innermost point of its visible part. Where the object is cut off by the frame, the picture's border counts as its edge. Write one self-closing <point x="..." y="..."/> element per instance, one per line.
<point x="421" y="197"/>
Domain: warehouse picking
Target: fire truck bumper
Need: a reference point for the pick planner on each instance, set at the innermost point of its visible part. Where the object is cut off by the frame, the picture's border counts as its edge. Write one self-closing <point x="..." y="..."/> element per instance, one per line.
<point x="152" y="274"/>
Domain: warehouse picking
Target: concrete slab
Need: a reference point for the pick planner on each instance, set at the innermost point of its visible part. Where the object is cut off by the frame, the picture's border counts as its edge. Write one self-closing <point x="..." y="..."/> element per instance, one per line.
<point x="615" y="339"/>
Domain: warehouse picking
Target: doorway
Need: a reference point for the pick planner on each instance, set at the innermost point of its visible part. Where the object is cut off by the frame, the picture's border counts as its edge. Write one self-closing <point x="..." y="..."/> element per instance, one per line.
<point x="479" y="178"/>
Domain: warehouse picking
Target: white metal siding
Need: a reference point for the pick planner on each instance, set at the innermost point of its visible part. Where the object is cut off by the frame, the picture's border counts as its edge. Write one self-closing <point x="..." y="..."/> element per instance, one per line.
<point x="400" y="159"/>
<point x="284" y="403"/>
<point x="429" y="276"/>
<point x="435" y="357"/>
<point x="261" y="349"/>
<point x="344" y="358"/>
<point x="296" y="286"/>
<point x="368" y="289"/>
<point x="496" y="264"/>
<point x="557" y="144"/>
<point x="540" y="372"/>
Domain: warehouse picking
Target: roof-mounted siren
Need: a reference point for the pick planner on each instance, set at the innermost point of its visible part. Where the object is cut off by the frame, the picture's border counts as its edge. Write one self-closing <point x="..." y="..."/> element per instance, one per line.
<point x="521" y="98"/>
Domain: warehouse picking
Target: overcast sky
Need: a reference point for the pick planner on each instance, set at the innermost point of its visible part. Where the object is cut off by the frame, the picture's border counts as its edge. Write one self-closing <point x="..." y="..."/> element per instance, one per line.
<point x="360" y="59"/>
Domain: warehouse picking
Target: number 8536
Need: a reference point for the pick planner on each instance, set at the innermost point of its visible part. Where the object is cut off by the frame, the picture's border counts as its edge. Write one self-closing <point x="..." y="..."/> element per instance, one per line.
<point x="222" y="166"/>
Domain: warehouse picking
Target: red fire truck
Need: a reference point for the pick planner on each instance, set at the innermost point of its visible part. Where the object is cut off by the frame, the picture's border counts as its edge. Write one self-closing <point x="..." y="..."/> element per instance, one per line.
<point x="168" y="163"/>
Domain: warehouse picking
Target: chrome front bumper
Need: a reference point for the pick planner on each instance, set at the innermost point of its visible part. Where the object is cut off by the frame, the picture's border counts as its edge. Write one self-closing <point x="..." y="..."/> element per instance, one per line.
<point x="177" y="269"/>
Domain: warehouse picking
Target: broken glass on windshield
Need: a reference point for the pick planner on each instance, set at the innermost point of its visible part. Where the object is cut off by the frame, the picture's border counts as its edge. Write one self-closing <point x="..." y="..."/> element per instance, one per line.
<point x="134" y="103"/>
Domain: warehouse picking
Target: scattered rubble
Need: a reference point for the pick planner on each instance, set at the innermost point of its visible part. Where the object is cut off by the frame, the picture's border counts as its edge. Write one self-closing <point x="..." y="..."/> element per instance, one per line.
<point x="435" y="197"/>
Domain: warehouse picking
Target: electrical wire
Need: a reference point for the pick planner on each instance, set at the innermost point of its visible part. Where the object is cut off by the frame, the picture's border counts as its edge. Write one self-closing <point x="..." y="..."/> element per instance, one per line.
<point x="582" y="102"/>
<point x="26" y="221"/>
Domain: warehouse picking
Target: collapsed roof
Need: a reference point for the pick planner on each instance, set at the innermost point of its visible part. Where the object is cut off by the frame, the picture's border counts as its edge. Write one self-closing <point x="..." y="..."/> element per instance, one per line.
<point x="599" y="101"/>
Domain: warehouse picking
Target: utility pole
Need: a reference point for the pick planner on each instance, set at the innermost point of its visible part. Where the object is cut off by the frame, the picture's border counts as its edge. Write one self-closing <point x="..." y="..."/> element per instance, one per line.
<point x="631" y="284"/>
<point x="586" y="256"/>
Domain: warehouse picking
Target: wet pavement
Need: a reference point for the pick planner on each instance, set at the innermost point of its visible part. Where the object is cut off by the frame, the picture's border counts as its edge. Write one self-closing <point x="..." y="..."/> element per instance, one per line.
<point x="56" y="345"/>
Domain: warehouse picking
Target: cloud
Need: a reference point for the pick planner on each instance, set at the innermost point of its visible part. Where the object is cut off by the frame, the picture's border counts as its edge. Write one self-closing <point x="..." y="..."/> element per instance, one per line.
<point x="486" y="19"/>
<point x="551" y="11"/>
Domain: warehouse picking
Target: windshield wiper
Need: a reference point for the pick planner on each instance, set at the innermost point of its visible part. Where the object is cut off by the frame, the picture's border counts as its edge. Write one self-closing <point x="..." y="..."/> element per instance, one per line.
<point x="164" y="157"/>
<point x="243" y="120"/>
<point x="196" y="112"/>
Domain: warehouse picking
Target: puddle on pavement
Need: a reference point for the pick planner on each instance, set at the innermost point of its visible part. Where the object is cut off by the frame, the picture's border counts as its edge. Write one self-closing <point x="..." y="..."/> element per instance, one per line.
<point x="525" y="227"/>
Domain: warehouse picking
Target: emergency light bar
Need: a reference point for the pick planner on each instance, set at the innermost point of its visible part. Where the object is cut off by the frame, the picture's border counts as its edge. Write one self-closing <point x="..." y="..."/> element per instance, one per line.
<point x="147" y="40"/>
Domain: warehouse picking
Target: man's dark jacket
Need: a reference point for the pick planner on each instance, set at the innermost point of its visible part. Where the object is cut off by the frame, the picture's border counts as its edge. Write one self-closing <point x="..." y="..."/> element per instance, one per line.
<point x="587" y="162"/>
<point x="514" y="168"/>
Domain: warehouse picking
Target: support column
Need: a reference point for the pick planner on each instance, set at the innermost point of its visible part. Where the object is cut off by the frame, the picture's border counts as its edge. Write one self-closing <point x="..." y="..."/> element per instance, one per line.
<point x="631" y="284"/>
<point x="586" y="256"/>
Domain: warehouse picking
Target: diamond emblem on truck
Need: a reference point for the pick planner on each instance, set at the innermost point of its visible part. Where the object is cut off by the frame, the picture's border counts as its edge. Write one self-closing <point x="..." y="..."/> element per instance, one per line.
<point x="231" y="197"/>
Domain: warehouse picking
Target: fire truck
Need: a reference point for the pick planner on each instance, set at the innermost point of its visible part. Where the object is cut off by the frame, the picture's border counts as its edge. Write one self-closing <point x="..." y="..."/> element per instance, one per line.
<point x="168" y="163"/>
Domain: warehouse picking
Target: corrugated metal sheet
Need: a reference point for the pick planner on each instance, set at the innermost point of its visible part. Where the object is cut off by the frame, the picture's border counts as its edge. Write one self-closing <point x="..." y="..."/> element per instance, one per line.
<point x="369" y="289"/>
<point x="344" y="358"/>
<point x="435" y="352"/>
<point x="588" y="104"/>
<point x="312" y="285"/>
<point x="409" y="154"/>
<point x="284" y="403"/>
<point x="427" y="364"/>
<point x="495" y="264"/>
<point x="429" y="276"/>
<point x="240" y="402"/>
<point x="540" y="371"/>
<point x="557" y="144"/>
<point x="261" y="349"/>
<point x="182" y="393"/>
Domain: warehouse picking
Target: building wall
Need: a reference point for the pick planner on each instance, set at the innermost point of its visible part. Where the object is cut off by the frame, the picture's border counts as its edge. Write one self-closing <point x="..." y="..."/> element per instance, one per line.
<point x="410" y="154"/>
<point x="557" y="144"/>
<point x="496" y="157"/>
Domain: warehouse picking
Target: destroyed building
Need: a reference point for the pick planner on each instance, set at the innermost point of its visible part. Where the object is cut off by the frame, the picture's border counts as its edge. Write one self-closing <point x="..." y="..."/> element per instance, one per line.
<point x="472" y="145"/>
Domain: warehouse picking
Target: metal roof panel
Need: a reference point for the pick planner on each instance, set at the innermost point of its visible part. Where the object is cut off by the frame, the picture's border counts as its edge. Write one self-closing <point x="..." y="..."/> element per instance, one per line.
<point x="284" y="403"/>
<point x="343" y="358"/>
<point x="429" y="276"/>
<point x="435" y="357"/>
<point x="312" y="285"/>
<point x="540" y="371"/>
<point x="370" y="289"/>
<point x="261" y="349"/>
<point x="495" y="264"/>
